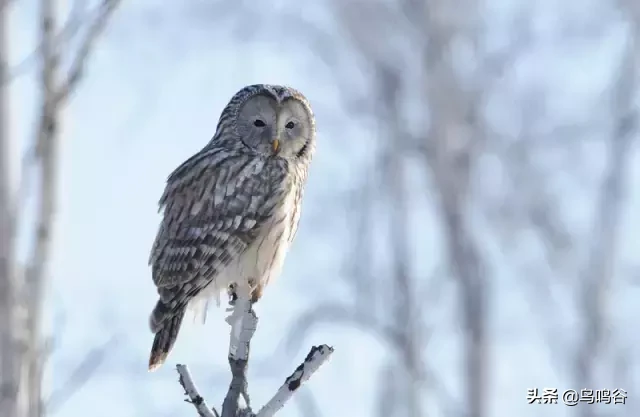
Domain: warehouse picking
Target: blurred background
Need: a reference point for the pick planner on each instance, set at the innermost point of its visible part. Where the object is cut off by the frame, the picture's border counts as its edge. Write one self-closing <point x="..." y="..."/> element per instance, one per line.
<point x="470" y="223"/>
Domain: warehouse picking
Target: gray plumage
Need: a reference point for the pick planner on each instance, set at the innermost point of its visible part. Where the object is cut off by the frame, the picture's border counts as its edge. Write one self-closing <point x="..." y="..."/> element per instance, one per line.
<point x="231" y="210"/>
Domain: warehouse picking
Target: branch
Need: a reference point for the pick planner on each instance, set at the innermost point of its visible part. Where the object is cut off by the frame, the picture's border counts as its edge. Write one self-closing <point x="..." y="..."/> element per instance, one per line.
<point x="244" y="322"/>
<point x="599" y="271"/>
<point x="69" y="30"/>
<point x="317" y="356"/>
<point x="104" y="12"/>
<point x="79" y="376"/>
<point x="191" y="391"/>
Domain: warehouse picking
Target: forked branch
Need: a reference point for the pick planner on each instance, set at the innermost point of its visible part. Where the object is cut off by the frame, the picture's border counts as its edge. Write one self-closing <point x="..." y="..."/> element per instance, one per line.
<point x="244" y="322"/>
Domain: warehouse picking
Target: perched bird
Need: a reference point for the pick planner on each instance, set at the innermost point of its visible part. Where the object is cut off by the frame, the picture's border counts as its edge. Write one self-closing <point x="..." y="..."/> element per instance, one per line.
<point x="231" y="211"/>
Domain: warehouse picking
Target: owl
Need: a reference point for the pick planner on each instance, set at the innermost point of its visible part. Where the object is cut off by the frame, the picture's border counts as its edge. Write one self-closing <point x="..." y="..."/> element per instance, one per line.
<point x="231" y="211"/>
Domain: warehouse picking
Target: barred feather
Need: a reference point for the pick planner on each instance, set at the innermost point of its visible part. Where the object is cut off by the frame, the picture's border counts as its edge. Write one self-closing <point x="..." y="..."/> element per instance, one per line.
<point x="164" y="340"/>
<point x="228" y="216"/>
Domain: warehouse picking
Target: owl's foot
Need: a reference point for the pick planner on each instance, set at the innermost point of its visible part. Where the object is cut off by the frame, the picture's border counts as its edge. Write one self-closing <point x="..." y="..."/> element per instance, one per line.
<point x="232" y="292"/>
<point x="239" y="300"/>
<point x="237" y="311"/>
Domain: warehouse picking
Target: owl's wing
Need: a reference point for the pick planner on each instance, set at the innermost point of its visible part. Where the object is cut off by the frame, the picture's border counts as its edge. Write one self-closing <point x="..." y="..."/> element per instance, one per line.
<point x="214" y="206"/>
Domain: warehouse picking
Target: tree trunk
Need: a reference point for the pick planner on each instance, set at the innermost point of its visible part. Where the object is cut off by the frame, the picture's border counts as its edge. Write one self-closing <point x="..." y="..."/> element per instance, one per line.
<point x="9" y="352"/>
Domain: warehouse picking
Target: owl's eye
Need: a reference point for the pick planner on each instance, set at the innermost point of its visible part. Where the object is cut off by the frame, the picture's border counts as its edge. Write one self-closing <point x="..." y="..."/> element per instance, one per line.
<point x="289" y="125"/>
<point x="259" y="123"/>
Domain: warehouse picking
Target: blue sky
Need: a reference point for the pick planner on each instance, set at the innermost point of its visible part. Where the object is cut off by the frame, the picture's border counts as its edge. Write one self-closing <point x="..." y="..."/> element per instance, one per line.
<point x="153" y="93"/>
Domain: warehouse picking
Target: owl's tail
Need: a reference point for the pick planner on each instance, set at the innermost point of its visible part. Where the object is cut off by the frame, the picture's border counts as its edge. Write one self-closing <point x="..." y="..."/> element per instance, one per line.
<point x="166" y="330"/>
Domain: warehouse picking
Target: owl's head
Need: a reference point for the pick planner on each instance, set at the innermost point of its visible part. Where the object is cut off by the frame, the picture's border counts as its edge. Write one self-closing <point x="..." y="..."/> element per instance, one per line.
<point x="273" y="121"/>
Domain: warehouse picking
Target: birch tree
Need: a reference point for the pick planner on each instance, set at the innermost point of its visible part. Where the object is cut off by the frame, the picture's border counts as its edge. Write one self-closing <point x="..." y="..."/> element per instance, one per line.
<point x="572" y="288"/>
<point x="429" y="119"/>
<point x="429" y="73"/>
<point x="23" y="287"/>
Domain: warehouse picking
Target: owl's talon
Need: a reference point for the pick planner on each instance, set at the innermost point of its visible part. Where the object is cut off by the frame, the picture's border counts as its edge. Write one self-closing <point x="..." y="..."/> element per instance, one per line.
<point x="233" y="295"/>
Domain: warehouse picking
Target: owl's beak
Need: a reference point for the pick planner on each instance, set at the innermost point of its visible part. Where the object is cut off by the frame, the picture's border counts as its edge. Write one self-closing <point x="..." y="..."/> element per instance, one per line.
<point x="276" y="145"/>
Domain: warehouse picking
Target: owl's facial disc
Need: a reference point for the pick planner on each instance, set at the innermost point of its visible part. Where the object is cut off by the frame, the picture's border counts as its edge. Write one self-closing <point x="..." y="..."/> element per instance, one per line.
<point x="256" y="124"/>
<point x="292" y="128"/>
<point x="272" y="128"/>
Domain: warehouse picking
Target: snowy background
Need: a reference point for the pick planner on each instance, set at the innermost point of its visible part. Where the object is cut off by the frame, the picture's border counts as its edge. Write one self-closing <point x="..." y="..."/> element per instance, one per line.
<point x="155" y="87"/>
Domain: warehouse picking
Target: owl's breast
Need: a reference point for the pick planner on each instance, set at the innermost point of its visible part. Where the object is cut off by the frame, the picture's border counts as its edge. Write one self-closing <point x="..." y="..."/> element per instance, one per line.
<point x="263" y="259"/>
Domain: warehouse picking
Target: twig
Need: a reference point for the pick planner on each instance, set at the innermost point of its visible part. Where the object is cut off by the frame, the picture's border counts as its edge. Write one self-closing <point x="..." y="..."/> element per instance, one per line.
<point x="70" y="29"/>
<point x="244" y="322"/>
<point x="191" y="391"/>
<point x="79" y="376"/>
<point x="315" y="358"/>
<point x="104" y="12"/>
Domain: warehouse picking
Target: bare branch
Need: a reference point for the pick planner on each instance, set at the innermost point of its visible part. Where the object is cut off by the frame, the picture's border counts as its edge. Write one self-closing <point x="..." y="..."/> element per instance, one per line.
<point x="243" y="327"/>
<point x="599" y="269"/>
<point x="46" y="156"/>
<point x="80" y="375"/>
<point x="104" y="12"/>
<point x="43" y="156"/>
<point x="191" y="391"/>
<point x="316" y="357"/>
<point x="244" y="322"/>
<point x="70" y="29"/>
<point x="9" y="349"/>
